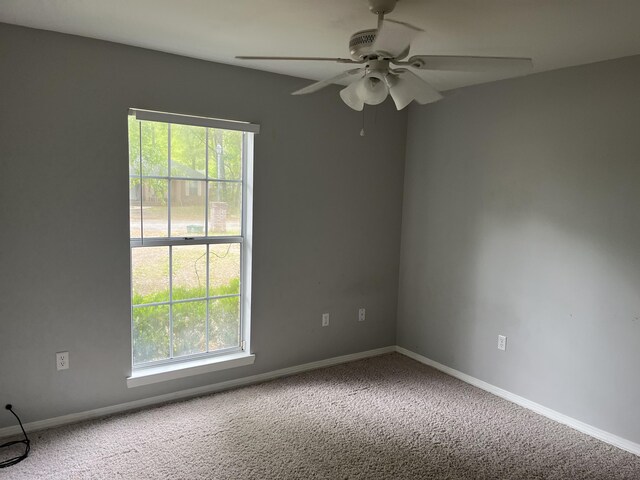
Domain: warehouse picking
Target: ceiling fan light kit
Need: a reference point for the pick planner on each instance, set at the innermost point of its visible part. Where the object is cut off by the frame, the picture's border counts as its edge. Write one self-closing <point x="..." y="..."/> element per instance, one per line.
<point x="382" y="49"/>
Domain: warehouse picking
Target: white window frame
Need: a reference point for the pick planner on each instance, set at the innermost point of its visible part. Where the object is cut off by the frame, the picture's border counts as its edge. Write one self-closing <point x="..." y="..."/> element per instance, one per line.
<point x="173" y="368"/>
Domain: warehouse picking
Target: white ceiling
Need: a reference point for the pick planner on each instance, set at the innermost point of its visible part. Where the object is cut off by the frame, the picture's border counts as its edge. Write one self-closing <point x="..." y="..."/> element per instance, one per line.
<point x="555" y="33"/>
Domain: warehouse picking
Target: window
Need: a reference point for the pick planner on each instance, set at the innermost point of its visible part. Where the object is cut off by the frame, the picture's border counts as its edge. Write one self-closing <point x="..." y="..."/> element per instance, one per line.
<point x="190" y="233"/>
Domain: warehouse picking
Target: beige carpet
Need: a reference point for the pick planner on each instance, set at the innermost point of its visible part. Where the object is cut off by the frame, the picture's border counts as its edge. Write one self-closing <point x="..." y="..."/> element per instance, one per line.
<point x="382" y="418"/>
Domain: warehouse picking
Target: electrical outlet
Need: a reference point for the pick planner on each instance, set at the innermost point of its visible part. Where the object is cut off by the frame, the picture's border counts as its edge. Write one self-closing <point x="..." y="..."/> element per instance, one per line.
<point x="325" y="319"/>
<point x="62" y="360"/>
<point x="502" y="342"/>
<point x="362" y="314"/>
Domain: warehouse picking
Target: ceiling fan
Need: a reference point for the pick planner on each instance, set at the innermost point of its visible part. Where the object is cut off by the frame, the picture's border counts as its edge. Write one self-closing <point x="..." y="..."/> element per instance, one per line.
<point x="384" y="72"/>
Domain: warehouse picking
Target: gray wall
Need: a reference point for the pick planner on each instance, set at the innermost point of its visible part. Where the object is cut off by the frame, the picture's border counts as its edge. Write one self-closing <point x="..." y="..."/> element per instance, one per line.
<point x="326" y="229"/>
<point x="521" y="217"/>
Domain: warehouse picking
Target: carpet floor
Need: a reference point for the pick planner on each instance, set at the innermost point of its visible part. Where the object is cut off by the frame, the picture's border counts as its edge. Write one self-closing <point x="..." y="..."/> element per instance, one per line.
<point x="387" y="417"/>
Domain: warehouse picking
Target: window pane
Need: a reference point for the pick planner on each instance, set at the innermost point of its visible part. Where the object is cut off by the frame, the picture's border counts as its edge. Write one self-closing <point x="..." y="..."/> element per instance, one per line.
<point x="134" y="146"/>
<point x="188" y="151"/>
<point x="225" y="212"/>
<point x="225" y="154"/>
<point x="155" y="148"/>
<point x="150" y="275"/>
<point x="134" y="208"/>
<point x="224" y="323"/>
<point x="189" y="272"/>
<point x="224" y="269"/>
<point x="150" y="333"/>
<point x="189" y="328"/>
<point x="184" y="181"/>
<point x="154" y="207"/>
<point x="187" y="208"/>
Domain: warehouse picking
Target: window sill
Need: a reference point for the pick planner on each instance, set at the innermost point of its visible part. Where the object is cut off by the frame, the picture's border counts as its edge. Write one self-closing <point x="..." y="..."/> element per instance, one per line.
<point x="186" y="369"/>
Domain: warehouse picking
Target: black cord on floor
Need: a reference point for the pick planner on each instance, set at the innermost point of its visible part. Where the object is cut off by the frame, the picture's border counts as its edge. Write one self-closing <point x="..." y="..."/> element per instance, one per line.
<point x="27" y="444"/>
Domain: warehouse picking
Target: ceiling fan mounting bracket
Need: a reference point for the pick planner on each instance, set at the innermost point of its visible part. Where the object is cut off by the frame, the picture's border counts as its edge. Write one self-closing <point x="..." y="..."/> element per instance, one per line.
<point x="382" y="7"/>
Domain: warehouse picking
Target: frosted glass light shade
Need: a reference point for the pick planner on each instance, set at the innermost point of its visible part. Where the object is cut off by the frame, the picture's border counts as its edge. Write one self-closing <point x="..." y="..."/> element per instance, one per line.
<point x="372" y="90"/>
<point x="407" y="86"/>
<point x="351" y="96"/>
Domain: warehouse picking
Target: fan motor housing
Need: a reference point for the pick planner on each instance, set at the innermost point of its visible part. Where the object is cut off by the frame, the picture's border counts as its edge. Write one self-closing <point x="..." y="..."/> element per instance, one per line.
<point x="361" y="45"/>
<point x="361" y="42"/>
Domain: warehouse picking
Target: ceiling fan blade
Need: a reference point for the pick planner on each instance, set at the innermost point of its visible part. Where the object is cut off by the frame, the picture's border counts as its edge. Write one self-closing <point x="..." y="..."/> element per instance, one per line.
<point x="406" y="86"/>
<point x="351" y="96"/>
<point x="321" y="59"/>
<point x="393" y="38"/>
<point x="314" y="87"/>
<point x="455" y="63"/>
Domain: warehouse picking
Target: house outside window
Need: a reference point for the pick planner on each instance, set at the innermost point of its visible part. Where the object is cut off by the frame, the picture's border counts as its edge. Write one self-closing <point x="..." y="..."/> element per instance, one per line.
<point x="190" y="182"/>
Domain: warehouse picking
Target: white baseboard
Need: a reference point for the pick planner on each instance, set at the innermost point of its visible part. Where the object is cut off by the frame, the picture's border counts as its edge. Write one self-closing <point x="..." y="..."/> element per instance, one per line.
<point x="606" y="437"/>
<point x="192" y="392"/>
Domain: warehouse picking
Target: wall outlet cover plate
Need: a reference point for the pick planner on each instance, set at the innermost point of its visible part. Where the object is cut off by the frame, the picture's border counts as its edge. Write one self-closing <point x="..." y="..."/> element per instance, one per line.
<point x="62" y="360"/>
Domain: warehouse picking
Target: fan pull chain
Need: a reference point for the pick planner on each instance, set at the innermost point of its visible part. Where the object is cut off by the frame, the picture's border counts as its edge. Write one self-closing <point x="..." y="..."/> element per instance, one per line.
<point x="362" y="130"/>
